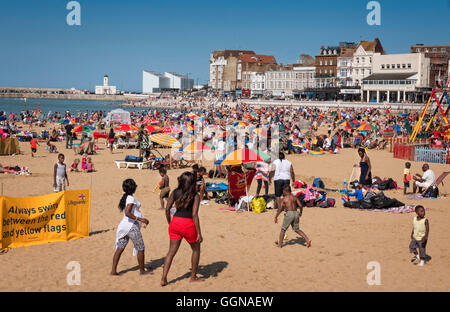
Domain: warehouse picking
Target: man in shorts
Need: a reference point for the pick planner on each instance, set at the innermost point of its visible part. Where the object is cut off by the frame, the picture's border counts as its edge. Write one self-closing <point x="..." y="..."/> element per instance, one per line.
<point x="425" y="181"/>
<point x="291" y="217"/>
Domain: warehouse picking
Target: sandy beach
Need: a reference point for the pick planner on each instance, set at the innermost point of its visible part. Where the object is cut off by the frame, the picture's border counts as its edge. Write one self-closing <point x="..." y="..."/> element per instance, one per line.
<point x="238" y="252"/>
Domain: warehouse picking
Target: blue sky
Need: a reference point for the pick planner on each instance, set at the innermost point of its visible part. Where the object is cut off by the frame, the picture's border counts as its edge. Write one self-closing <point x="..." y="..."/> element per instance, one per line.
<point x="122" y="38"/>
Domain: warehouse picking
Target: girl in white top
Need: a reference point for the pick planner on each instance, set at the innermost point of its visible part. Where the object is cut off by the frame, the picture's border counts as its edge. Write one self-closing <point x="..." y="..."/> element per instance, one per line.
<point x="129" y="227"/>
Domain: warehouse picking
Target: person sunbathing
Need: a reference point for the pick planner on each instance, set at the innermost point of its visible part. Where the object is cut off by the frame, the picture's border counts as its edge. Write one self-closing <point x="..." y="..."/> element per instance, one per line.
<point x="6" y="170"/>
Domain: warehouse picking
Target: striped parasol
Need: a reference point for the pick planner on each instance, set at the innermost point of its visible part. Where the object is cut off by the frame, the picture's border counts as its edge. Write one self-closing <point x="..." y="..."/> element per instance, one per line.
<point x="150" y="121"/>
<point x="196" y="146"/>
<point x="240" y="124"/>
<point x="164" y="139"/>
<point x="241" y="156"/>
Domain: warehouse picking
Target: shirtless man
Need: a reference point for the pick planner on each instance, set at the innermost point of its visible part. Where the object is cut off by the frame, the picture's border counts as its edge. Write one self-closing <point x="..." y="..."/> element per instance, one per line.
<point x="291" y="217"/>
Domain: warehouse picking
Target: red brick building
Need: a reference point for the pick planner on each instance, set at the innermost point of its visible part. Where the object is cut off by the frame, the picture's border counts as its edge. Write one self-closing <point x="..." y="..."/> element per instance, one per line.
<point x="439" y="56"/>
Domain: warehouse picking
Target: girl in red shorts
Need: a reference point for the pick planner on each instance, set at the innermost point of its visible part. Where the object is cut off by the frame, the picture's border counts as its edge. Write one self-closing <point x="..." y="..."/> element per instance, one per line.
<point x="184" y="224"/>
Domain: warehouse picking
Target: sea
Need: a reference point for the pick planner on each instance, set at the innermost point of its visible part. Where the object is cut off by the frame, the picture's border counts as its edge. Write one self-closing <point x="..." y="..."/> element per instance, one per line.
<point x="16" y="105"/>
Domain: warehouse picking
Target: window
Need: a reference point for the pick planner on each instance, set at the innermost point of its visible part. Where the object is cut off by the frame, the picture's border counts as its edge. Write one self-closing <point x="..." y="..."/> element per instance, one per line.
<point x="417" y="50"/>
<point x="388" y="66"/>
<point x="356" y="71"/>
<point x="363" y="60"/>
<point x="434" y="49"/>
<point x="403" y="65"/>
<point x="326" y="62"/>
<point x="320" y="62"/>
<point x="357" y="60"/>
<point x="362" y="71"/>
<point x="326" y="71"/>
<point x="443" y="50"/>
<point x="382" y="66"/>
<point x="409" y="65"/>
<point x="398" y="66"/>
<point x="393" y="66"/>
<point x="370" y="60"/>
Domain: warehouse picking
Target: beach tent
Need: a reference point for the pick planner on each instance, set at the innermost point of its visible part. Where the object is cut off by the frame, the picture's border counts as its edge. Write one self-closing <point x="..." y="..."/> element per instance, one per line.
<point x="118" y="116"/>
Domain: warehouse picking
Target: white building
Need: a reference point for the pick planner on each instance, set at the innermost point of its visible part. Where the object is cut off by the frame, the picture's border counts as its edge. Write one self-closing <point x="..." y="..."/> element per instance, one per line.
<point x="396" y="78"/>
<point x="305" y="77"/>
<point x="362" y="59"/>
<point x="257" y="83"/>
<point x="154" y="82"/>
<point x="179" y="82"/>
<point x="344" y="70"/>
<point x="287" y="82"/>
<point x="105" y="89"/>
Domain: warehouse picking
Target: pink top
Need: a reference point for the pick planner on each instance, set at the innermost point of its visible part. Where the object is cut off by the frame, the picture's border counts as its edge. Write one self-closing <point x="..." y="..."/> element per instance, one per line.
<point x="89" y="166"/>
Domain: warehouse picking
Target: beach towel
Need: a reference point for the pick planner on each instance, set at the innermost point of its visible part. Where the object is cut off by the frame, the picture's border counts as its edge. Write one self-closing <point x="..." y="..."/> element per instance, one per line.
<point x="401" y="209"/>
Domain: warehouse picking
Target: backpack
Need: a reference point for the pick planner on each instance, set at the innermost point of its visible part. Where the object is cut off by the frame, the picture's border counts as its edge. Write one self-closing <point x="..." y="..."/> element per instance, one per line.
<point x="386" y="185"/>
<point x="318" y="183"/>
<point x="432" y="191"/>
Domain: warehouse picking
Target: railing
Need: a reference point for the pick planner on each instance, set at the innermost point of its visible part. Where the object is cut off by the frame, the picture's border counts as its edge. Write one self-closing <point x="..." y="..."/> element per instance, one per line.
<point x="431" y="155"/>
<point x="422" y="153"/>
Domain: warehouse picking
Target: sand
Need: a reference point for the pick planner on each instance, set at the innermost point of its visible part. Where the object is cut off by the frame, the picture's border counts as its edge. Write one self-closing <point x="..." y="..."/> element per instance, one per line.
<point x="238" y="252"/>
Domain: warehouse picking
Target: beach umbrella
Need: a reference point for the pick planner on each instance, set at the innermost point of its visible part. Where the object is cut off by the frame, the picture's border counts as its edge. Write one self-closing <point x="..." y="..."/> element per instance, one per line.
<point x="196" y="146"/>
<point x="66" y="121"/>
<point x="150" y="121"/>
<point x="82" y="129"/>
<point x="126" y="128"/>
<point x="165" y="139"/>
<point x="171" y="130"/>
<point x="240" y="124"/>
<point x="264" y="156"/>
<point x="364" y="127"/>
<point x="260" y="131"/>
<point x="153" y="129"/>
<point x="346" y="125"/>
<point x="241" y="156"/>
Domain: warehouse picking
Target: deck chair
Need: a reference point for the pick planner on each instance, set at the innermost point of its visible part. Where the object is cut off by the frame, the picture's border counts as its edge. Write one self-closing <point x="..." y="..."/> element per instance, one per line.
<point x="441" y="178"/>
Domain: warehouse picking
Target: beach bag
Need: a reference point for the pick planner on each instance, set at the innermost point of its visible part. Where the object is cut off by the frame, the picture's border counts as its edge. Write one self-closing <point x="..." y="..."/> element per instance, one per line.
<point x="386" y="185"/>
<point x="299" y="184"/>
<point x="431" y="192"/>
<point x="318" y="183"/>
<point x="132" y="158"/>
<point x="331" y="202"/>
<point x="258" y="205"/>
<point x="352" y="204"/>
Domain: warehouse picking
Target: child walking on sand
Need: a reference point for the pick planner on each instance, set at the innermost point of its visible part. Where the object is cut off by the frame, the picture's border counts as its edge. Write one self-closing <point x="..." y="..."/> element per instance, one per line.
<point x="419" y="235"/>
<point x="33" y="143"/>
<point x="60" y="175"/>
<point x="130" y="227"/>
<point x="292" y="216"/>
<point x="406" y="177"/>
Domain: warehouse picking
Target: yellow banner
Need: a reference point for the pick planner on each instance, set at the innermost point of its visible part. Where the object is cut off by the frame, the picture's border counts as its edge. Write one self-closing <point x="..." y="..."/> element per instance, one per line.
<point x="37" y="220"/>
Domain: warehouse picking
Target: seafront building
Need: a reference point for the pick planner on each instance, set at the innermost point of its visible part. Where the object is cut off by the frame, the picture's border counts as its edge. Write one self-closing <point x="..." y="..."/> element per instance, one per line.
<point x="362" y="59"/>
<point x="397" y="78"/>
<point x="106" y="89"/>
<point x="153" y="82"/>
<point x="439" y="56"/>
